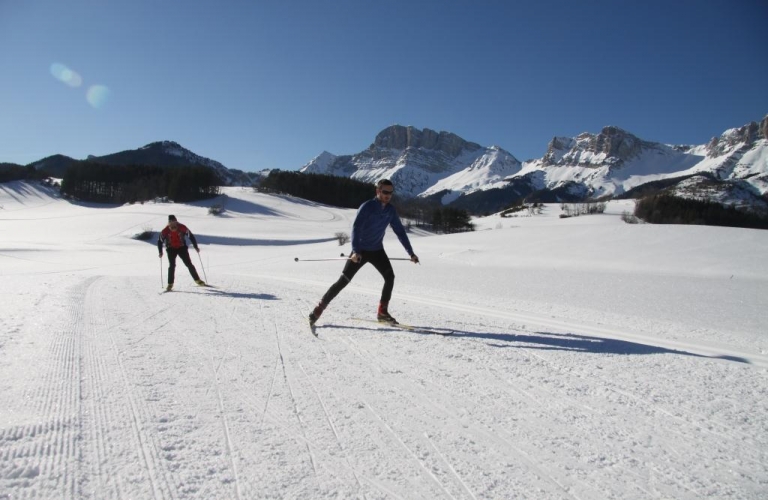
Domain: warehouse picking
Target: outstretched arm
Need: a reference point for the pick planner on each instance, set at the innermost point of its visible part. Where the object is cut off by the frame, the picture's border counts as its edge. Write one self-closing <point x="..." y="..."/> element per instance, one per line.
<point x="193" y="240"/>
<point x="399" y="230"/>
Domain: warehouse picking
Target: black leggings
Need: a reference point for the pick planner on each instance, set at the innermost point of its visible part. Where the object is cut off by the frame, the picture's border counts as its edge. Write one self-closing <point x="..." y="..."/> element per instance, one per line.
<point x="183" y="254"/>
<point x="379" y="260"/>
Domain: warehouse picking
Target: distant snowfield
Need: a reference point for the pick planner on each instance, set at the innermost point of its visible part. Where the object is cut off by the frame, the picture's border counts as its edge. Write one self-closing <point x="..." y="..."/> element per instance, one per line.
<point x="590" y="359"/>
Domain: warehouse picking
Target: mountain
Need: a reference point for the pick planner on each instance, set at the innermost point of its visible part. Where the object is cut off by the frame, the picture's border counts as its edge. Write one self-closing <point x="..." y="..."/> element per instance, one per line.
<point x="55" y="165"/>
<point x="731" y="169"/>
<point x="421" y="162"/>
<point x="163" y="153"/>
<point x="169" y="153"/>
<point x="615" y="161"/>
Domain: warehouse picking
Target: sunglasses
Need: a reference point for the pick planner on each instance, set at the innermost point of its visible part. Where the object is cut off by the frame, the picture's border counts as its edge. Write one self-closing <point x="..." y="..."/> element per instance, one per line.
<point x="387" y="193"/>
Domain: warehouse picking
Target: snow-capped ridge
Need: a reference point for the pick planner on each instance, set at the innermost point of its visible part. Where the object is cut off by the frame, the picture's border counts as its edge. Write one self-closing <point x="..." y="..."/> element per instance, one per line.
<point x="421" y="162"/>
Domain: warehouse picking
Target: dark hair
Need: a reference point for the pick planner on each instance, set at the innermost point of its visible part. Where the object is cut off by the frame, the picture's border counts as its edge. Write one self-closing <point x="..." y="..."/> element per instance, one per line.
<point x="171" y="218"/>
<point x="383" y="182"/>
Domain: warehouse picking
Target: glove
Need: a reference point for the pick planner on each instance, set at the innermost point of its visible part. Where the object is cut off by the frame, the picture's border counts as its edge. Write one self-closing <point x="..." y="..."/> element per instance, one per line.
<point x="414" y="259"/>
<point x="161" y="255"/>
<point x="197" y="250"/>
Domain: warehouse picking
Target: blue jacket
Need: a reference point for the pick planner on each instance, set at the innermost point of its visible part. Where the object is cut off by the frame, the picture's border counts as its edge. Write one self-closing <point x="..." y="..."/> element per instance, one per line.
<point x="371" y="224"/>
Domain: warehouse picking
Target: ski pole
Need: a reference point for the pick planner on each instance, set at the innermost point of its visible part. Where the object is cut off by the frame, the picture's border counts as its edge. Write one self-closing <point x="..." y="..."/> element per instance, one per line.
<point x="161" y="271"/>
<point x="201" y="266"/>
<point x="394" y="258"/>
<point x="296" y="259"/>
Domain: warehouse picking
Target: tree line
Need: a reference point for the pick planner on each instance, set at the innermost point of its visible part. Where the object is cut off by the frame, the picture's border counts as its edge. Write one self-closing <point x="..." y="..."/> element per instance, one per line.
<point x="327" y="189"/>
<point x="668" y="209"/>
<point x="349" y="193"/>
<point x="96" y="182"/>
<point x="13" y="172"/>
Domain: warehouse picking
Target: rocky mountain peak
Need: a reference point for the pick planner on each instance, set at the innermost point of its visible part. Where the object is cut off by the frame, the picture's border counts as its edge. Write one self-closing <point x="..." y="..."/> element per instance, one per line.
<point x="618" y="143"/>
<point x="556" y="148"/>
<point x="163" y="146"/>
<point x="612" y="145"/>
<point x="744" y="136"/>
<point x="399" y="137"/>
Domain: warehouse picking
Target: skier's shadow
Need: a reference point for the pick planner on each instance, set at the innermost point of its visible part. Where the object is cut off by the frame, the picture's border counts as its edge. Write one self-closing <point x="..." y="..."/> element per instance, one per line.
<point x="583" y="343"/>
<point x="241" y="295"/>
<point x="218" y="292"/>
<point x="555" y="342"/>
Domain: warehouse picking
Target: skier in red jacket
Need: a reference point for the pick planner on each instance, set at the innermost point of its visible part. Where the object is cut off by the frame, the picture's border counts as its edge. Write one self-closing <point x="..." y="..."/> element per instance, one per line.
<point x="174" y="237"/>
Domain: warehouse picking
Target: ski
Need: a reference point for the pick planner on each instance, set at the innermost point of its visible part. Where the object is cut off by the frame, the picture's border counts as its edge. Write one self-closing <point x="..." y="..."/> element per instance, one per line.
<point x="312" y="328"/>
<point x="409" y="328"/>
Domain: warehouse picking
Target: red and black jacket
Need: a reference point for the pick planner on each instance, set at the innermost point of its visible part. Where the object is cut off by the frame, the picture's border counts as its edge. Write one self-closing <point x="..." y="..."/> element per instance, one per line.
<point x="175" y="239"/>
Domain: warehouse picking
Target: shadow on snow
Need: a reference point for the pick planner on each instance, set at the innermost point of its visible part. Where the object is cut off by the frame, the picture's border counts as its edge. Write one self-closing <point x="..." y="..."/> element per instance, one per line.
<point x="224" y="293"/>
<point x="551" y="341"/>
<point x="204" y="240"/>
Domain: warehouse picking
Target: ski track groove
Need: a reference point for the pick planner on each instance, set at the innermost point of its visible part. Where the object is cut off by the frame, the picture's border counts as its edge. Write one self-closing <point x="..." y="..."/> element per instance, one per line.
<point x="293" y="399"/>
<point x="274" y="373"/>
<point x="146" y="450"/>
<point x="227" y="433"/>
<point x="371" y="482"/>
<point x="555" y="416"/>
<point x="333" y="428"/>
<point x="262" y="411"/>
<point x="453" y="471"/>
<point x="215" y="369"/>
<point x="556" y="405"/>
<point x="490" y="435"/>
<point x="692" y="421"/>
<point x="409" y="450"/>
<point x="97" y="416"/>
<point x="372" y="362"/>
<point x="301" y="436"/>
<point x="59" y="454"/>
<point x="645" y="402"/>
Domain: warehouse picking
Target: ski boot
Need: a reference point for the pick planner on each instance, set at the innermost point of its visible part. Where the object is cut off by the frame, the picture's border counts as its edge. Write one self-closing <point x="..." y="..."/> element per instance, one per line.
<point x="317" y="312"/>
<point x="383" y="315"/>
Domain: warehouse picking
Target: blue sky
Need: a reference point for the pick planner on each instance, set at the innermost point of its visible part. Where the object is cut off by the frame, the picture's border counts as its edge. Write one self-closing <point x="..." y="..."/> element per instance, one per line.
<point x="271" y="84"/>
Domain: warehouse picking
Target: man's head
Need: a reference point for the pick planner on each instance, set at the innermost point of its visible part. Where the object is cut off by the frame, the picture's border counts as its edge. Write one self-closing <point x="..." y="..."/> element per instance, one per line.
<point x="384" y="190"/>
<point x="172" y="221"/>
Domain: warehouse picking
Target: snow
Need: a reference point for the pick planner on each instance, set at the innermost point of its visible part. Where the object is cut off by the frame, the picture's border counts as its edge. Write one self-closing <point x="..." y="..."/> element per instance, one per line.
<point x="487" y="171"/>
<point x="590" y="358"/>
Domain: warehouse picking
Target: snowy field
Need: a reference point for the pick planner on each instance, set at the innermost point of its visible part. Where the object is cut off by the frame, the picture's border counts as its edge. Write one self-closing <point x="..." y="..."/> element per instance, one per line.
<point x="590" y="359"/>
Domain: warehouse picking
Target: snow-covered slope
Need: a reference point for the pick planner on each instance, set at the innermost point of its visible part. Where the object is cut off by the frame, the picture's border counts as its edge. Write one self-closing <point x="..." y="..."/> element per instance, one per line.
<point x="615" y="161"/>
<point x="421" y="162"/>
<point x="606" y="164"/>
<point x="588" y="358"/>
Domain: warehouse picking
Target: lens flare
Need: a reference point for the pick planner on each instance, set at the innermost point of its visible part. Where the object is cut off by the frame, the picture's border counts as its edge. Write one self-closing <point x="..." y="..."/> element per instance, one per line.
<point x="66" y="75"/>
<point x="97" y="95"/>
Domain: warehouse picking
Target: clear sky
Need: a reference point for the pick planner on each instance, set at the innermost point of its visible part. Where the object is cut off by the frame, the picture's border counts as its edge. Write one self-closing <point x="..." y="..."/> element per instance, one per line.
<point x="273" y="83"/>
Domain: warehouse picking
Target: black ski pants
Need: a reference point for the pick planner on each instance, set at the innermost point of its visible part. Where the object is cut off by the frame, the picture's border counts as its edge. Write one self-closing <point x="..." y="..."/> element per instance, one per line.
<point x="183" y="254"/>
<point x="382" y="264"/>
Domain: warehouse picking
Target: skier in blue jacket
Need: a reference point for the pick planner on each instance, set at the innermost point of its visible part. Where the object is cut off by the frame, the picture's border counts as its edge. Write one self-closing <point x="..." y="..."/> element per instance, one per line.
<point x="368" y="230"/>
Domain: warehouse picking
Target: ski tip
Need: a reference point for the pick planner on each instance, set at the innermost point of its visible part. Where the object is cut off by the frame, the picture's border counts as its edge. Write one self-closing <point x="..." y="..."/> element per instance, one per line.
<point x="312" y="327"/>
